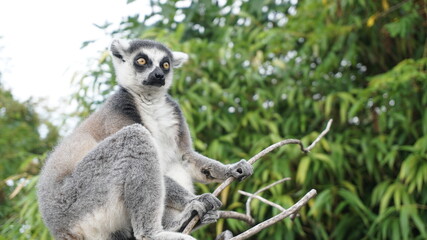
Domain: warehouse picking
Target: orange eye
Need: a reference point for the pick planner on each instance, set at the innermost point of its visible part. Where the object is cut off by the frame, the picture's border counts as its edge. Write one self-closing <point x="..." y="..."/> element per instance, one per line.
<point x="141" y="61"/>
<point x="166" y="65"/>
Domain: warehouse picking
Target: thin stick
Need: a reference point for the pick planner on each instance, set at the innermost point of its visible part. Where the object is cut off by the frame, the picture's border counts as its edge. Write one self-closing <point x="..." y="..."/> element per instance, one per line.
<point x="236" y="215"/>
<point x="267" y="150"/>
<point x="322" y="134"/>
<point x="248" y="202"/>
<point x="267" y="223"/>
<point x="231" y="214"/>
<point x="262" y="200"/>
<point x="255" y="158"/>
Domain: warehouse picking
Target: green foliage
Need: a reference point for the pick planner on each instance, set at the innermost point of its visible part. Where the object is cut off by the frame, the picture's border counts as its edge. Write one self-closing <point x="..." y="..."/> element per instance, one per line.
<point x="20" y="140"/>
<point x="261" y="71"/>
<point x="21" y="149"/>
<point x="25" y="220"/>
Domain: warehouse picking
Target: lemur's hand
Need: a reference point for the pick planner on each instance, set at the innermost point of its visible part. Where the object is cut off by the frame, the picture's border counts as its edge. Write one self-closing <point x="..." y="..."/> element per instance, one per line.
<point x="240" y="170"/>
<point x="205" y="206"/>
<point x="210" y="201"/>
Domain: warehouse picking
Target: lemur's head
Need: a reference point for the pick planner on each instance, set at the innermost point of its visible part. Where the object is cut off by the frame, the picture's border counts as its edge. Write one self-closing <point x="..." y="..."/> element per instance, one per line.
<point x="145" y="65"/>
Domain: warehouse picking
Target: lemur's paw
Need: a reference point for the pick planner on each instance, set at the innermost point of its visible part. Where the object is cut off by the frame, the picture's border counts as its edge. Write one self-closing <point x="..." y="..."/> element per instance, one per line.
<point x="225" y="235"/>
<point x="210" y="201"/>
<point x="241" y="170"/>
<point x="203" y="204"/>
<point x="210" y="217"/>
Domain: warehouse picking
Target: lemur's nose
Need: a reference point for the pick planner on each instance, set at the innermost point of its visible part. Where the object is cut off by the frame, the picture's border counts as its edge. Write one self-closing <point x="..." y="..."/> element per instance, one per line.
<point x="155" y="78"/>
<point x="159" y="75"/>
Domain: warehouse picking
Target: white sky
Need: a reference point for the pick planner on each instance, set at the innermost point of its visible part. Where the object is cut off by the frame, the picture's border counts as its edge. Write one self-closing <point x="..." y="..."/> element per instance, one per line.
<point x="40" y="42"/>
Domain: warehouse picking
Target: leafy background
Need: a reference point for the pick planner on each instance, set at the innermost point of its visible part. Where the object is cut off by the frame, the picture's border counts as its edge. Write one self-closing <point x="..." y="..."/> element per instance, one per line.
<point x="262" y="71"/>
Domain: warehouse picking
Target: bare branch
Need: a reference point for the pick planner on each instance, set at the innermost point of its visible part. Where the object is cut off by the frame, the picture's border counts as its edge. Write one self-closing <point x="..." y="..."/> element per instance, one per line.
<point x="291" y="141"/>
<point x="255" y="158"/>
<point x="322" y="134"/>
<point x="223" y="185"/>
<point x="248" y="202"/>
<point x="267" y="150"/>
<point x="267" y="223"/>
<point x="272" y="185"/>
<point x="230" y="214"/>
<point x="235" y="215"/>
<point x="268" y="202"/>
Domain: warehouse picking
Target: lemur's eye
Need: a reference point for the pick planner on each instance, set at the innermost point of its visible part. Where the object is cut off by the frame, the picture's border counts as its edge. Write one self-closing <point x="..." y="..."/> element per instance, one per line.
<point x="141" y="61"/>
<point x="166" y="65"/>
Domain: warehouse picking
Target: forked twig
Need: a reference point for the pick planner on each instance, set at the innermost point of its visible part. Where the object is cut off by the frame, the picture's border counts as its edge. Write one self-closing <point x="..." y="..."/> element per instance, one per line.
<point x="321" y="135"/>
<point x="235" y="215"/>
<point x="248" y="202"/>
<point x="254" y="159"/>
<point x="268" y="202"/>
<point x="292" y="210"/>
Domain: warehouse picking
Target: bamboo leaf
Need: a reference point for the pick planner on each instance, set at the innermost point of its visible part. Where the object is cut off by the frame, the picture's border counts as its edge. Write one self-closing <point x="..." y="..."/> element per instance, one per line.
<point x="302" y="170"/>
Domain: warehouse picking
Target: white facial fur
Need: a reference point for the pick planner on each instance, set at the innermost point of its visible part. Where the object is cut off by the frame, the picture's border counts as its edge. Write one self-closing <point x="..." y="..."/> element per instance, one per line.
<point x="131" y="79"/>
<point x="135" y="80"/>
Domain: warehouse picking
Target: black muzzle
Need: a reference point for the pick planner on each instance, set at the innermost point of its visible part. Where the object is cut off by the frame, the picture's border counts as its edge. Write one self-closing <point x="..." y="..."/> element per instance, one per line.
<point x="155" y="78"/>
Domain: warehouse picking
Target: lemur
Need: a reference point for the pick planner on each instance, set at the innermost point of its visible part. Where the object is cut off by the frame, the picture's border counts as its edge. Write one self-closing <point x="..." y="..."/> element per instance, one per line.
<point x="127" y="171"/>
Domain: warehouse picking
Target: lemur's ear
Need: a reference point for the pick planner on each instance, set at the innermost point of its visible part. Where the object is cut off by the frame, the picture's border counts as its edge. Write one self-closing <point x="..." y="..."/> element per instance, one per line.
<point x="179" y="58"/>
<point x="118" y="48"/>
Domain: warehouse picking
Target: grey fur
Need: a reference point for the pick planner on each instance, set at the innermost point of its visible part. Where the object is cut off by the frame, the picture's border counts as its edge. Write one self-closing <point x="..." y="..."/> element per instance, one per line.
<point x="126" y="172"/>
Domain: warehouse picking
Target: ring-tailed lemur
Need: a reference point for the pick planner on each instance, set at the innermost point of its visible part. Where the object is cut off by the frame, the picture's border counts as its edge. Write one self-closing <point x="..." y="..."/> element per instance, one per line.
<point x="126" y="172"/>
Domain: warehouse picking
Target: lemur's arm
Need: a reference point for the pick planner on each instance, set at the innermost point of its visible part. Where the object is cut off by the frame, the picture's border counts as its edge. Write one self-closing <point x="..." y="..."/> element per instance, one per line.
<point x="204" y="169"/>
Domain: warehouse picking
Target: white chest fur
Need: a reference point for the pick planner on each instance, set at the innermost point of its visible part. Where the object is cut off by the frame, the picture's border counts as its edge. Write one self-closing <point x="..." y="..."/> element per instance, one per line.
<point x="160" y="120"/>
<point x="163" y="123"/>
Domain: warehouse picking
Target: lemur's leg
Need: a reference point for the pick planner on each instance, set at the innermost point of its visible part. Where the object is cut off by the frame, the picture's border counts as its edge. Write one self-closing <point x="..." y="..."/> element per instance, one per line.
<point x="182" y="206"/>
<point x="118" y="187"/>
